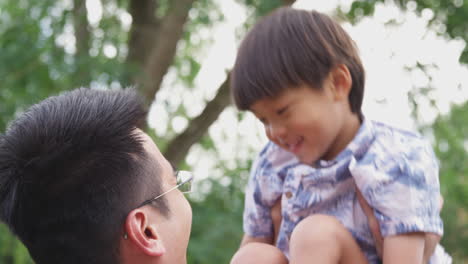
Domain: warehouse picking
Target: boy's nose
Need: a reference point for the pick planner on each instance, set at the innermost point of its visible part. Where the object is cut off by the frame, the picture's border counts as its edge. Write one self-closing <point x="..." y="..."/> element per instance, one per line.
<point x="276" y="133"/>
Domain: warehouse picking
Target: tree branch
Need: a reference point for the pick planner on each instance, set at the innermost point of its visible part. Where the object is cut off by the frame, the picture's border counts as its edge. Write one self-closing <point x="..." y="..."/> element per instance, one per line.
<point x="288" y="2"/>
<point x="178" y="148"/>
<point x="143" y="31"/>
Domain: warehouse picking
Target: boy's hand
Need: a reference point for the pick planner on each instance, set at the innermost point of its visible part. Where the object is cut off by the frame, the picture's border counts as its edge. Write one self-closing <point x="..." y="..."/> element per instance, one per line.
<point x="430" y="240"/>
<point x="373" y="223"/>
<point x="276" y="217"/>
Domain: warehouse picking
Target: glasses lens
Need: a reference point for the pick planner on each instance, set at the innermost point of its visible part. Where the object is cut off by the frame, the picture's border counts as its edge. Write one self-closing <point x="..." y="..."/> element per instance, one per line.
<point x="184" y="181"/>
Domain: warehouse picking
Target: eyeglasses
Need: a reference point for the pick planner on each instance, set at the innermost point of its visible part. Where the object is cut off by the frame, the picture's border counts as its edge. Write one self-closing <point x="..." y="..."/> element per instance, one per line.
<point x="184" y="184"/>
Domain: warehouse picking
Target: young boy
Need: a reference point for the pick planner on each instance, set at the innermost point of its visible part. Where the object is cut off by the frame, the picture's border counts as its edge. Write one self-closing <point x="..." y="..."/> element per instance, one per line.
<point x="300" y="73"/>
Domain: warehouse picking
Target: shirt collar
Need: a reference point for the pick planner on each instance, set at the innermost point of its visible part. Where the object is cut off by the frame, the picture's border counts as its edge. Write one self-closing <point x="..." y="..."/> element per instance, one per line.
<point x="357" y="147"/>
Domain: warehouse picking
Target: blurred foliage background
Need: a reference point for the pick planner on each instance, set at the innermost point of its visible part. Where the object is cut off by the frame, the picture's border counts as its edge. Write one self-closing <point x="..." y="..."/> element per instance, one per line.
<point x="52" y="46"/>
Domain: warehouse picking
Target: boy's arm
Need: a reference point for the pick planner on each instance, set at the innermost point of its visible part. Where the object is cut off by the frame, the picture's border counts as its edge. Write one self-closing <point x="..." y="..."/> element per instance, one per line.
<point x="276" y="218"/>
<point x="430" y="239"/>
<point x="403" y="191"/>
<point x="402" y="249"/>
<point x="262" y="196"/>
<point x="409" y="248"/>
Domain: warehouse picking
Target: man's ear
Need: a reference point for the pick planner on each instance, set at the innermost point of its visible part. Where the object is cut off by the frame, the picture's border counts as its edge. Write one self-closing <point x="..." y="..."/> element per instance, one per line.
<point x="341" y="82"/>
<point x="143" y="233"/>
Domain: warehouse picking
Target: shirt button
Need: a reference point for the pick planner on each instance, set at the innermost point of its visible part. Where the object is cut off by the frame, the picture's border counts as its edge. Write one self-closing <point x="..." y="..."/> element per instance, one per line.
<point x="288" y="194"/>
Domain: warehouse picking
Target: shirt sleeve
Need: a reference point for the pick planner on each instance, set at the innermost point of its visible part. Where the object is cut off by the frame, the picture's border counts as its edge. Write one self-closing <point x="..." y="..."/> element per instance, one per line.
<point x="263" y="190"/>
<point x="401" y="186"/>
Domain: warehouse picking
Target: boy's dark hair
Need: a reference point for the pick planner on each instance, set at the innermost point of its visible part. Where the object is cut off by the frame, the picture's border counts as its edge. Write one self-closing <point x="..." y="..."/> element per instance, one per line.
<point x="71" y="168"/>
<point x="289" y="48"/>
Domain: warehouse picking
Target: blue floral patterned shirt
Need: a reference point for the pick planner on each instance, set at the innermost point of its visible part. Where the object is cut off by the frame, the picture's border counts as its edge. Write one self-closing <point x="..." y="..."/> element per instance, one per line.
<point x="396" y="171"/>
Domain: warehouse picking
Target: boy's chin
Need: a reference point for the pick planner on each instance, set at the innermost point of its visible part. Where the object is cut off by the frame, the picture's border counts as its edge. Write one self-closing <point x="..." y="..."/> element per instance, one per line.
<point x="306" y="160"/>
<point x="302" y="157"/>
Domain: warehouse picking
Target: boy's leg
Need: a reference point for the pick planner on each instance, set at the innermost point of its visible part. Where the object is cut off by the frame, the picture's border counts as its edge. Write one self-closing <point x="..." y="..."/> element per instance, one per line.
<point x="259" y="253"/>
<point x="323" y="239"/>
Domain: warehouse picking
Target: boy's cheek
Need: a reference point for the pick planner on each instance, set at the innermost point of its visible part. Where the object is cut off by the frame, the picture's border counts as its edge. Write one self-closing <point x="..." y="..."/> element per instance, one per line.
<point x="270" y="137"/>
<point x="268" y="133"/>
<point x="279" y="144"/>
<point x="273" y="139"/>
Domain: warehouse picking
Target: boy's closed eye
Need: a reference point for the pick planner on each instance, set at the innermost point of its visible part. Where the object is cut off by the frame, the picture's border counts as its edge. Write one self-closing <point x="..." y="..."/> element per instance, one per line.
<point x="279" y="112"/>
<point x="282" y="110"/>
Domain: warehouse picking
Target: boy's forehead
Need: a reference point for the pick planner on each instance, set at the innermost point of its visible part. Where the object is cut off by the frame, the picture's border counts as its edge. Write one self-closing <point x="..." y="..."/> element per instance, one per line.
<point x="265" y="104"/>
<point x="270" y="101"/>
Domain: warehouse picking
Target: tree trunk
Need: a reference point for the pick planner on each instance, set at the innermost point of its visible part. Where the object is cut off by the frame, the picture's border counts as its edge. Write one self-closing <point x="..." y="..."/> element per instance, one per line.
<point x="142" y="33"/>
<point x="162" y="54"/>
<point x="82" y="36"/>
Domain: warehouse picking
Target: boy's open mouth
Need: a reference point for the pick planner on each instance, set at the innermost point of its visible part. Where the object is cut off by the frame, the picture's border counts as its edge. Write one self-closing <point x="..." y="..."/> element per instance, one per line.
<point x="295" y="146"/>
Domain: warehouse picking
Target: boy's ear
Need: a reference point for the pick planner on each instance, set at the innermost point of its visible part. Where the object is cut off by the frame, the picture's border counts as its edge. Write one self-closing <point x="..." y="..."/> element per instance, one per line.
<point x="341" y="82"/>
<point x="143" y="233"/>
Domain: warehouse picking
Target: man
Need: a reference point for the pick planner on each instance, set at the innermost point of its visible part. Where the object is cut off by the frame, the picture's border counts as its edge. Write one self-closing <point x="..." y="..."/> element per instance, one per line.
<point x="80" y="183"/>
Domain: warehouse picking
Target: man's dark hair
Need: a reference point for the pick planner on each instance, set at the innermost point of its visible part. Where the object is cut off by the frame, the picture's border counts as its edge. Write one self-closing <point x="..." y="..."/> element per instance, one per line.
<point x="289" y="48"/>
<point x="71" y="168"/>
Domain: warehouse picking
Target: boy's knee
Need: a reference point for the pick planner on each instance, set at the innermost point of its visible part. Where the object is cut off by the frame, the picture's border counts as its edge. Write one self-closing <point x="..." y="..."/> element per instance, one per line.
<point x="314" y="229"/>
<point x="258" y="253"/>
<point x="323" y="238"/>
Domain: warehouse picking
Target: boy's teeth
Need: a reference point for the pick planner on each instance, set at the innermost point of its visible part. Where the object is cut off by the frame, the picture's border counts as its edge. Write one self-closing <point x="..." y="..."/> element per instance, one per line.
<point x="293" y="146"/>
